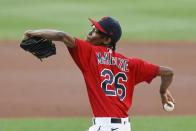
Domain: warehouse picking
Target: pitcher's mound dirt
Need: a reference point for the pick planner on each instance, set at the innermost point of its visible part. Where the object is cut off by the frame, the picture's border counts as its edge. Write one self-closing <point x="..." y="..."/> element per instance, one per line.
<point x="56" y="88"/>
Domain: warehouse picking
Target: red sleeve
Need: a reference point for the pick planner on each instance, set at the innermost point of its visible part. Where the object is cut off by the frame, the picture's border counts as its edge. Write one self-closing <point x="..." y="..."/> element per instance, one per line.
<point x="144" y="71"/>
<point x="81" y="53"/>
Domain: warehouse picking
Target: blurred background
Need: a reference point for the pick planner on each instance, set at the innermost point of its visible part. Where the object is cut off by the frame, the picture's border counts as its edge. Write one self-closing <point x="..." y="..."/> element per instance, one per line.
<point x="140" y="19"/>
<point x="49" y="95"/>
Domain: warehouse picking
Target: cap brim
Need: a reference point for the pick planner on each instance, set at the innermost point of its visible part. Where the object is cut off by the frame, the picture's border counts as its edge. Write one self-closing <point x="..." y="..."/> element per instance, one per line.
<point x="97" y="25"/>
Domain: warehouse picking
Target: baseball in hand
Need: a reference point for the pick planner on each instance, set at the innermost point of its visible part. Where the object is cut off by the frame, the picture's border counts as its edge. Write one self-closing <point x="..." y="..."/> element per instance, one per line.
<point x="168" y="107"/>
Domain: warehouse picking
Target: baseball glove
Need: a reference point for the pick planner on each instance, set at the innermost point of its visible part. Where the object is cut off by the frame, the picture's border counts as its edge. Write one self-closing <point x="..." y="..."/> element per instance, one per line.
<point x="39" y="47"/>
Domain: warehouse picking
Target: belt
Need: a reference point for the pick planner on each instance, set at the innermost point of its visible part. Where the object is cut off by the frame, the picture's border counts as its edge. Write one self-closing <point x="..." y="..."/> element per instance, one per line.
<point x="109" y="120"/>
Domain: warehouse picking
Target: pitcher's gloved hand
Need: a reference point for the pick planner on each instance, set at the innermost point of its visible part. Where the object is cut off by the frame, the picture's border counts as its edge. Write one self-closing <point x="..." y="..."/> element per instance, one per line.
<point x="39" y="47"/>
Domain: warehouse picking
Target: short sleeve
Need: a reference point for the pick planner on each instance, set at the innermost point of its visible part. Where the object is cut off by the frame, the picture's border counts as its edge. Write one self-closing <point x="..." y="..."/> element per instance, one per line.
<point x="81" y="53"/>
<point x="144" y="71"/>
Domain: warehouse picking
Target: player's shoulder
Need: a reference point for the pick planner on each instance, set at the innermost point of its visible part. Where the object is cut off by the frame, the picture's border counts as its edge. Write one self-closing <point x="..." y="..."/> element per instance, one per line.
<point x="82" y="44"/>
<point x="131" y="59"/>
<point x="77" y="40"/>
<point x="134" y="61"/>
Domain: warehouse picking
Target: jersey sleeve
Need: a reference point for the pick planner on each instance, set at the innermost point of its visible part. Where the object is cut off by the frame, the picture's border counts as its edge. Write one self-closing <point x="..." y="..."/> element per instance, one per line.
<point x="81" y="53"/>
<point x="144" y="71"/>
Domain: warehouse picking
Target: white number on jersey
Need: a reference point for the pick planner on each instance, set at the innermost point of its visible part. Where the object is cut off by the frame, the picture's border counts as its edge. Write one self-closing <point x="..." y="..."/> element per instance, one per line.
<point x="117" y="86"/>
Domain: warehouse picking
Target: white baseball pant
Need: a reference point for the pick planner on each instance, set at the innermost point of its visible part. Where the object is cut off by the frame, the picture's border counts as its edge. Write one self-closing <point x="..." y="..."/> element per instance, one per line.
<point x="110" y="124"/>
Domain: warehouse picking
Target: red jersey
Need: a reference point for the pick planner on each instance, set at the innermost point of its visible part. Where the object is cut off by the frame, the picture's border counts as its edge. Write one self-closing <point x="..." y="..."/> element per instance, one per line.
<point x="110" y="77"/>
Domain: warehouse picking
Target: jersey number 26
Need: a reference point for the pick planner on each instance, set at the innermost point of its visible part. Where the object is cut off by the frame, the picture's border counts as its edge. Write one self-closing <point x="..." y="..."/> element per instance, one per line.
<point x="114" y="80"/>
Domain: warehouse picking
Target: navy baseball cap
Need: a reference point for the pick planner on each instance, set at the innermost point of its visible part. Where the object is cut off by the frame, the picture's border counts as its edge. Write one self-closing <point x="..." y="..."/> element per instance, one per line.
<point x="110" y="27"/>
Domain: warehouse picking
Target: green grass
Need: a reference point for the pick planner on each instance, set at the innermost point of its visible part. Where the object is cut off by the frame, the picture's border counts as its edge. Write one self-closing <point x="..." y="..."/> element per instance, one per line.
<point x="140" y="19"/>
<point x="81" y="124"/>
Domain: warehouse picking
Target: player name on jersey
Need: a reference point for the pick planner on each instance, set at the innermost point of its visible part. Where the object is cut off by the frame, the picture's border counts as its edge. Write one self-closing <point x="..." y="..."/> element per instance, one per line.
<point x="108" y="59"/>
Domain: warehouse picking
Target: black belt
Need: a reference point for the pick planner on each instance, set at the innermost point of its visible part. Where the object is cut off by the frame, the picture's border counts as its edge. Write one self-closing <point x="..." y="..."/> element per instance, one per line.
<point x="114" y="120"/>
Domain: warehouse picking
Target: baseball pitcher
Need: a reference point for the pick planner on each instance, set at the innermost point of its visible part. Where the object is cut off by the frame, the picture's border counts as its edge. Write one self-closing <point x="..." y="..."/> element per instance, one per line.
<point x="110" y="77"/>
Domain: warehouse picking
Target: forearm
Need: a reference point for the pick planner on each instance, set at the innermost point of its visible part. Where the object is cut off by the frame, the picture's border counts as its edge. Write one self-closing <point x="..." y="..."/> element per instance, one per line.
<point x="166" y="78"/>
<point x="165" y="82"/>
<point x="53" y="35"/>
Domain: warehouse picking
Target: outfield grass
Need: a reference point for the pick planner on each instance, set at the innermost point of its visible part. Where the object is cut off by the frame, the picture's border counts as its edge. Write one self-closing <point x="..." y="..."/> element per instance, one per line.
<point x="81" y="124"/>
<point x="140" y="19"/>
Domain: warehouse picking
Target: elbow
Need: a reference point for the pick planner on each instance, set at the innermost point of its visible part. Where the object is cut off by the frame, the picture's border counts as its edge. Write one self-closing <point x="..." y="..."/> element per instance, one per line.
<point x="170" y="72"/>
<point x="66" y="39"/>
<point x="61" y="35"/>
<point x="166" y="71"/>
